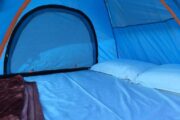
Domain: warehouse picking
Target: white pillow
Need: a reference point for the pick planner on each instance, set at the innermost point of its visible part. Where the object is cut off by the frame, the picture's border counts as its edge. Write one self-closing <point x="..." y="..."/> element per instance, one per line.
<point x="122" y="68"/>
<point x="164" y="77"/>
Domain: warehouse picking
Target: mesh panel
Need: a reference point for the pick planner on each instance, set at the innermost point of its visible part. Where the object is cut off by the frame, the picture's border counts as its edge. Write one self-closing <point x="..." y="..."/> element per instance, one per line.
<point x="133" y="12"/>
<point x="51" y="39"/>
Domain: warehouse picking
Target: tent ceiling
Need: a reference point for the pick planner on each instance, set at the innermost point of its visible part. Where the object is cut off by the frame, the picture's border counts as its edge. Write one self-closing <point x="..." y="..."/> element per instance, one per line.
<point x="133" y="12"/>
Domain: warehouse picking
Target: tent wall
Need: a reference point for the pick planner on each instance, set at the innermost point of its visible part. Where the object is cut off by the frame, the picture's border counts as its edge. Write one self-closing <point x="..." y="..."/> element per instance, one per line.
<point x="175" y="7"/>
<point x="7" y="13"/>
<point x="128" y="12"/>
<point x="100" y="20"/>
<point x="8" y="10"/>
<point x="51" y="37"/>
<point x="158" y="43"/>
<point x="154" y="40"/>
<point x="135" y="32"/>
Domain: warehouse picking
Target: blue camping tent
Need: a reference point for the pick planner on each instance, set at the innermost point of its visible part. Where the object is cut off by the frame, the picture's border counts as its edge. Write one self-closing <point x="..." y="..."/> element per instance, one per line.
<point x="146" y="26"/>
<point x="57" y="36"/>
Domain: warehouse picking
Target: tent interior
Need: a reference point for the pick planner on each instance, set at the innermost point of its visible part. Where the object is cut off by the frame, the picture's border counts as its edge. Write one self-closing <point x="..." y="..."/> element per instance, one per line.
<point x="96" y="59"/>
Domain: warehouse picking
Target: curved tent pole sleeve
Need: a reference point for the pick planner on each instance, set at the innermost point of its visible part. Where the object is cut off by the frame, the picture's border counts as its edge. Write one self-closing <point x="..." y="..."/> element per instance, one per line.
<point x="170" y="11"/>
<point x="12" y="25"/>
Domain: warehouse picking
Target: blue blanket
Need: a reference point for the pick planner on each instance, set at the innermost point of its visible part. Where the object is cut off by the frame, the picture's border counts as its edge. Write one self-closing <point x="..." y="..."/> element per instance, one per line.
<point x="88" y="95"/>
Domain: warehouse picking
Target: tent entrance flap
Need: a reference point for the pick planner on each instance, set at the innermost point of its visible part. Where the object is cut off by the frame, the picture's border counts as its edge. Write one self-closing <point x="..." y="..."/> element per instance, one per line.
<point x="49" y="38"/>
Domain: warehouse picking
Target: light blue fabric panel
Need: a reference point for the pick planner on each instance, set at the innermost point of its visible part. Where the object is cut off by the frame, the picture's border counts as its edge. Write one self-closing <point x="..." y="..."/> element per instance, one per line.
<point x="100" y="20"/>
<point x="157" y="43"/>
<point x="164" y="77"/>
<point x="123" y="68"/>
<point x="133" y="12"/>
<point x="89" y="95"/>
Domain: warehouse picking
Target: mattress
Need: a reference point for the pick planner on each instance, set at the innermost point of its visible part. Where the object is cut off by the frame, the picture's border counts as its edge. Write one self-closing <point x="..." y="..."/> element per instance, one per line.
<point x="89" y="95"/>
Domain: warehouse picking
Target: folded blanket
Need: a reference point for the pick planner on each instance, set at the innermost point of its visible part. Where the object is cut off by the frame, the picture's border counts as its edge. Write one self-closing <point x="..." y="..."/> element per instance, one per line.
<point x="19" y="100"/>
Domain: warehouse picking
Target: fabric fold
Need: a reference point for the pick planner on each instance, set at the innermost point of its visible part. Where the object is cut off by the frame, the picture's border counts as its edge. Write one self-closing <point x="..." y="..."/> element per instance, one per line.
<point x="19" y="100"/>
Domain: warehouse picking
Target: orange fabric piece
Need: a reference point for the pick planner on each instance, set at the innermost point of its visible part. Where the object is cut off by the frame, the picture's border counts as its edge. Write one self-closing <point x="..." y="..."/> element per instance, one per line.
<point x="170" y="11"/>
<point x="12" y="25"/>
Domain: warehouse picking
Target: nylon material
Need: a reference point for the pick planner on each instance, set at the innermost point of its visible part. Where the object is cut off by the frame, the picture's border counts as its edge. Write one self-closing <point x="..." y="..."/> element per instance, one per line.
<point x="123" y="68"/>
<point x="8" y="10"/>
<point x="99" y="19"/>
<point x="53" y="39"/>
<point x="93" y="97"/>
<point x="59" y="58"/>
<point x="175" y="6"/>
<point x="162" y="77"/>
<point x="156" y="43"/>
<point x="58" y="102"/>
<point x="125" y="13"/>
<point x="103" y="56"/>
<point x="2" y="63"/>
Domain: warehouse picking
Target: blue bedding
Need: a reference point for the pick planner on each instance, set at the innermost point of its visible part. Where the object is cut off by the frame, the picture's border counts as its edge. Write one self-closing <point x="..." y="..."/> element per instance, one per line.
<point x="88" y="95"/>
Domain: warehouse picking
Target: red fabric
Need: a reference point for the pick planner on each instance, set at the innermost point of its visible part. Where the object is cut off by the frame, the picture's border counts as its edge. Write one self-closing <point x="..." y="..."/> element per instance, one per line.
<point x="19" y="100"/>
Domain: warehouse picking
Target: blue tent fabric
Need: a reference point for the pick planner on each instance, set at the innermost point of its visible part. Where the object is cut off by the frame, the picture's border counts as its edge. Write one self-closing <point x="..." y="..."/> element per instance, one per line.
<point x="55" y="38"/>
<point x="7" y="12"/>
<point x="100" y="21"/>
<point x="8" y="9"/>
<point x="127" y="12"/>
<point x="144" y="30"/>
<point x="149" y="18"/>
<point x="157" y="43"/>
<point x="71" y="96"/>
<point x="175" y="6"/>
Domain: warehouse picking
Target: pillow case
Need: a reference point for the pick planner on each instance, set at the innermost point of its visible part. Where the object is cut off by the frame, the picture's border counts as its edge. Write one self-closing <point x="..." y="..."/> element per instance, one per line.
<point x="123" y="68"/>
<point x="165" y="77"/>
